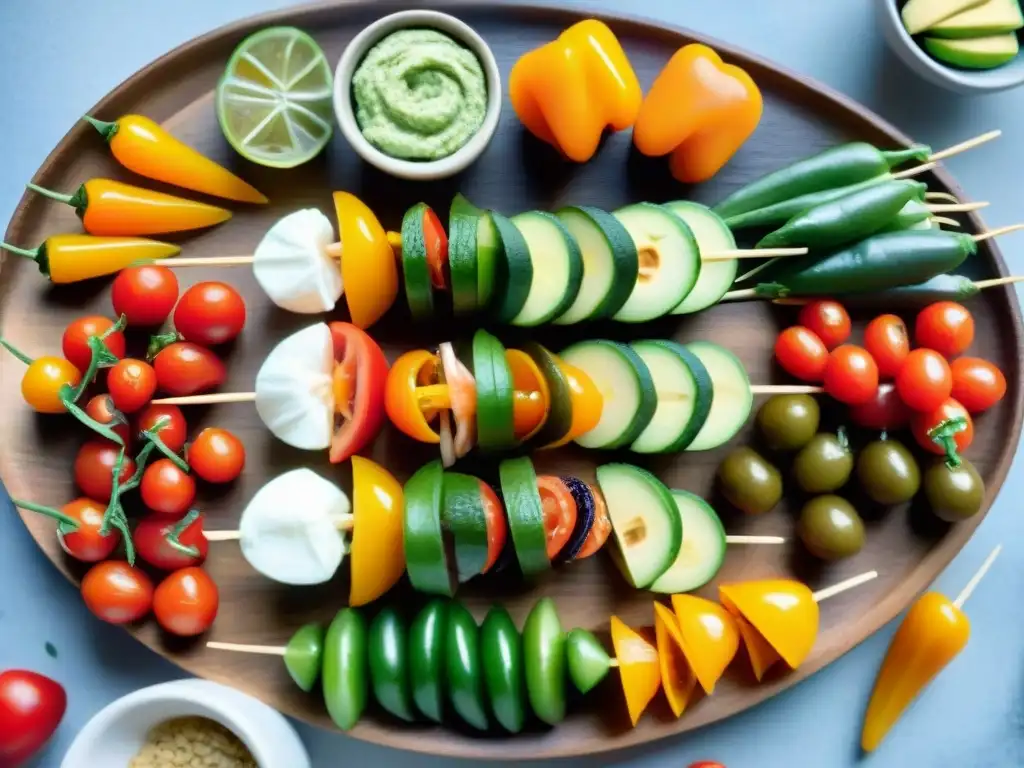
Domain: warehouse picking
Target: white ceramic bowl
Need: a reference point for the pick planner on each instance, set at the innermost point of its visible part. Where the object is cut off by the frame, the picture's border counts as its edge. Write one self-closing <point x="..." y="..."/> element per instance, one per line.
<point x="353" y="55"/>
<point x="115" y="735"/>
<point x="960" y="80"/>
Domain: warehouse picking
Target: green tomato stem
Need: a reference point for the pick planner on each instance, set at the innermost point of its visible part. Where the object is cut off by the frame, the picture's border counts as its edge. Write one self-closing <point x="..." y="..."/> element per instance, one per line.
<point x="174" y="535"/>
<point x="114" y="506"/>
<point x="944" y="434"/>
<point x="16" y="352"/>
<point x="158" y="341"/>
<point x="67" y="396"/>
<point x="56" y="514"/>
<point x="154" y="439"/>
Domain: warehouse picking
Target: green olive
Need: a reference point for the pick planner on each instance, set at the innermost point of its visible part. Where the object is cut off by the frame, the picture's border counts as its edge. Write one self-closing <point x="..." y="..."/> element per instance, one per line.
<point x="954" y="493"/>
<point x="788" y="422"/>
<point x="748" y="482"/>
<point x="824" y="464"/>
<point x="830" y="528"/>
<point x="888" y="472"/>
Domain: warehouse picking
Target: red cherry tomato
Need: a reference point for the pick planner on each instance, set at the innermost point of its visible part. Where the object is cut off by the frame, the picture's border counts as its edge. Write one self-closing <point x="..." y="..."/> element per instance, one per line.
<point x="601" y="528"/>
<point x="102" y="409"/>
<point x="174" y="429"/>
<point x="925" y="380"/>
<point x="828" y="320"/>
<point x="435" y="242"/>
<point x="86" y="543"/>
<point x="188" y="369"/>
<point x="144" y="295"/>
<point x="94" y="468"/>
<point x="31" y="708"/>
<point x="883" y="411"/>
<point x="360" y="374"/>
<point x="923" y="423"/>
<point x="977" y="383"/>
<point x="946" y="327"/>
<point x="153" y="546"/>
<point x="117" y="593"/>
<point x="186" y="602"/>
<point x="886" y="339"/>
<point x="166" y="489"/>
<point x="216" y="455"/>
<point x="75" y="342"/>
<point x="559" y="512"/>
<point x="497" y="528"/>
<point x="706" y="764"/>
<point x="801" y="353"/>
<point x="132" y="384"/>
<point x="851" y="375"/>
<point x="209" y="313"/>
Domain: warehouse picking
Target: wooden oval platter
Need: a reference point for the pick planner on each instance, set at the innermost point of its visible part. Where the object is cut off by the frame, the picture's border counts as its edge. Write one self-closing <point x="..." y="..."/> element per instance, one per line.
<point x="516" y="173"/>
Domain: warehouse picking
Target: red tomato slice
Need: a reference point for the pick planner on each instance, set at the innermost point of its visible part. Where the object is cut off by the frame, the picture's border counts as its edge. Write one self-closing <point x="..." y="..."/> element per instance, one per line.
<point x="559" y="512"/>
<point x="359" y="383"/>
<point x="436" y="243"/>
<point x="601" y="528"/>
<point x="497" y="527"/>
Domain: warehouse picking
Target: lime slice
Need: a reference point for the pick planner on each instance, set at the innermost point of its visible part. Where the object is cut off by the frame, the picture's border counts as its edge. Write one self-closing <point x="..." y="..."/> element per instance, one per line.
<point x="274" y="99"/>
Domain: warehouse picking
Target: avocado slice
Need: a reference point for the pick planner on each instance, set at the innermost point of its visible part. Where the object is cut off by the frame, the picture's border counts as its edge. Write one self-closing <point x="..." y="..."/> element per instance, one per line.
<point x="975" y="53"/>
<point x="995" y="17"/>
<point x="920" y="15"/>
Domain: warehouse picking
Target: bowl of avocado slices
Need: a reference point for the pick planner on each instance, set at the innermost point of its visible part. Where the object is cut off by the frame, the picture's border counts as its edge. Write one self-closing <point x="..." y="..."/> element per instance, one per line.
<point x="968" y="46"/>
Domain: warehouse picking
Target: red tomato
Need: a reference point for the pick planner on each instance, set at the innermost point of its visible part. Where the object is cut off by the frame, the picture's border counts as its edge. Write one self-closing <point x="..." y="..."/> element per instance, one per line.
<point x="851" y="375"/>
<point x="187" y="369"/>
<point x="887" y="340"/>
<point x="117" y="593"/>
<point x="151" y="542"/>
<point x="977" y="383"/>
<point x="925" y="422"/>
<point x="360" y="374"/>
<point x="75" y="342"/>
<point x="94" y="468"/>
<point x="801" y="353"/>
<point x="601" y="528"/>
<point x="884" y="411"/>
<point x="102" y="409"/>
<point x="132" y="384"/>
<point x="435" y="242"/>
<point x="925" y="380"/>
<point x="216" y="455"/>
<point x="209" y="313"/>
<point x="186" y="602"/>
<point x="497" y="528"/>
<point x="174" y="431"/>
<point x="828" y="320"/>
<point x="559" y="512"/>
<point x="144" y="295"/>
<point x="86" y="543"/>
<point x="166" y="489"/>
<point x="706" y="764"/>
<point x="31" y="708"/>
<point x="946" y="327"/>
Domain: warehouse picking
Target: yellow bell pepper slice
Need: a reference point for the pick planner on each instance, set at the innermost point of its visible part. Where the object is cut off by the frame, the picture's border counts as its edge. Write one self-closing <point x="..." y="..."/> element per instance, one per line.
<point x="677" y="675"/>
<point x="783" y="611"/>
<point x="587" y="403"/>
<point x="709" y="636"/>
<point x="639" y="667"/>
<point x="369" y="271"/>
<point x="531" y="400"/>
<point x="378" y="553"/>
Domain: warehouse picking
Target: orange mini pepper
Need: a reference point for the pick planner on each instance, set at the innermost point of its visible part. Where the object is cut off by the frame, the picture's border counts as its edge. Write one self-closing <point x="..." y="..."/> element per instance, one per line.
<point x="142" y="146"/>
<point x="700" y="110"/>
<point x="108" y="207"/>
<point x="70" y="258"/>
<point x="570" y="90"/>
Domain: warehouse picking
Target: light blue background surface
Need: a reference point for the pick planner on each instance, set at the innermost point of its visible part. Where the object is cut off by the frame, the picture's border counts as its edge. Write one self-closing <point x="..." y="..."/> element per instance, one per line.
<point x="58" y="57"/>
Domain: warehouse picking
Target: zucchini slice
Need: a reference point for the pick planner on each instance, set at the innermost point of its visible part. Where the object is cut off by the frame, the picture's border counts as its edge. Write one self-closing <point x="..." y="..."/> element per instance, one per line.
<point x="525" y="514"/>
<point x="426" y="551"/>
<point x="419" y="291"/>
<point x="462" y="255"/>
<point x="559" y="418"/>
<point x="684" y="392"/>
<point x="494" y="394"/>
<point x="557" y="267"/>
<point x="463" y="517"/>
<point x="713" y="236"/>
<point x="702" y="552"/>
<point x="513" y="271"/>
<point x="732" y="399"/>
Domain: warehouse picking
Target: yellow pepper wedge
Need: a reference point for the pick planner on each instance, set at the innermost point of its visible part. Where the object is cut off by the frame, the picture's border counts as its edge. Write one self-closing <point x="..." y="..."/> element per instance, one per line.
<point x="762" y="656"/>
<point x="709" y="637"/>
<point x="567" y="92"/>
<point x="369" y="271"/>
<point x="783" y="611"/>
<point x="930" y="637"/>
<point x="639" y="667"/>
<point x="700" y="110"/>
<point x="531" y="398"/>
<point x="72" y="258"/>
<point x="587" y="403"/>
<point x="378" y="553"/>
<point x="677" y="677"/>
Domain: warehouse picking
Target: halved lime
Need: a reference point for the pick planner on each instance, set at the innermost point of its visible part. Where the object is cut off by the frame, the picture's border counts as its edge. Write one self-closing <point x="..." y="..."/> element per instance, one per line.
<point x="274" y="98"/>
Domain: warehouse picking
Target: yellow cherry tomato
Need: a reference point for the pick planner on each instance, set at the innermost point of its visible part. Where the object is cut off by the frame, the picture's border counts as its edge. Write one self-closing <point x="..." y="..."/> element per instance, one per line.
<point x="368" y="268"/>
<point x="43" y="381"/>
<point x="378" y="555"/>
<point x="411" y="398"/>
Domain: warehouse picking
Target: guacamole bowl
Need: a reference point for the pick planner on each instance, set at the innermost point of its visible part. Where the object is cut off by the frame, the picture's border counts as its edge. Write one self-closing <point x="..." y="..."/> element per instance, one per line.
<point x="411" y="121"/>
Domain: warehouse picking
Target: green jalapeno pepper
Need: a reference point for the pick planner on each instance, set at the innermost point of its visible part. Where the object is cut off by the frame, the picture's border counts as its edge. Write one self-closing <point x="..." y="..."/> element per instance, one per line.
<point x="939" y="288"/>
<point x="389" y="664"/>
<point x="345" y="679"/>
<point x="303" y="655"/>
<point x="426" y="658"/>
<point x="465" y="677"/>
<point x="502" y="650"/>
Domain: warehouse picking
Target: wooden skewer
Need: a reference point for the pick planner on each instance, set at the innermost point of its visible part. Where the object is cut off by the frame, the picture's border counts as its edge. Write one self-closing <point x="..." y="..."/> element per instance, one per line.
<point x="958" y="207"/>
<point x="266" y="650"/>
<point x="346" y="523"/>
<point x="965" y="593"/>
<point x="211" y="398"/>
<point x="914" y="171"/>
<point x="785" y="389"/>
<point x="963" y="146"/>
<point x="996" y="281"/>
<point x="943" y="220"/>
<point x="754" y="253"/>
<point x="755" y="539"/>
<point x="941" y="196"/>
<point x="207" y="261"/>
<point x="998" y="232"/>
<point x="843" y="586"/>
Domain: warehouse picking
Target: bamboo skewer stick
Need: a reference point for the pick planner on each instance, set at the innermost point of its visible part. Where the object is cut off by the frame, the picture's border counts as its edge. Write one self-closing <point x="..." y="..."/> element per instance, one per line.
<point x="785" y="389"/>
<point x="266" y="650"/>
<point x="843" y="586"/>
<point x="966" y="592"/>
<point x="963" y="146"/>
<point x="980" y="238"/>
<point x="941" y="196"/>
<point x="755" y="539"/>
<point x="211" y="398"/>
<point x="996" y="281"/>
<point x="345" y="524"/>
<point x="958" y="207"/>
<point x="945" y="220"/>
<point x="914" y="171"/>
<point x="754" y="253"/>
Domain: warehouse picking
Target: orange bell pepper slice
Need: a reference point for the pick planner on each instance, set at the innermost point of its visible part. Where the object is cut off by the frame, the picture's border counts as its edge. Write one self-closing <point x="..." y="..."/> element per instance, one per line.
<point x="783" y="611"/>
<point x="531" y="400"/>
<point x="639" y="667"/>
<point x="412" y="396"/>
<point x="700" y="110"/>
<point x="677" y="675"/>
<point x="709" y="637"/>
<point x="567" y="92"/>
<point x="369" y="270"/>
<point x="378" y="554"/>
<point x="587" y="403"/>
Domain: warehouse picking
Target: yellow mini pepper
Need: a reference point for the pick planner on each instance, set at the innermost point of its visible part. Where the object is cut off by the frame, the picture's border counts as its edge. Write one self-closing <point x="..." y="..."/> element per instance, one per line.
<point x="71" y="258"/>
<point x="570" y="90"/>
<point x="700" y="110"/>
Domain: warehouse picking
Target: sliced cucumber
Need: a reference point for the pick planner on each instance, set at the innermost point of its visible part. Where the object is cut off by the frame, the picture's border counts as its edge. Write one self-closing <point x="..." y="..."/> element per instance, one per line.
<point x="426" y="551"/>
<point x="559" y="420"/>
<point x="703" y="549"/>
<point x="557" y="267"/>
<point x="488" y="249"/>
<point x="712" y="235"/>
<point x="732" y="401"/>
<point x="494" y="392"/>
<point x="645" y="522"/>
<point x="684" y="393"/>
<point x="513" y="271"/>
<point x="625" y="385"/>
<point x="609" y="263"/>
<point x="462" y="259"/>
<point x="525" y="514"/>
<point x="668" y="259"/>
<point x="463" y="516"/>
<point x="419" y="291"/>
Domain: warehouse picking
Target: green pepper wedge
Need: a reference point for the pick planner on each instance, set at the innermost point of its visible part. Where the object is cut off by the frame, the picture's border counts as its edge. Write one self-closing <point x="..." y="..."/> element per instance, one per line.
<point x="502" y="650"/>
<point x="303" y="656"/>
<point x="427" y="637"/>
<point x="345" y="678"/>
<point x="544" y="658"/>
<point x="426" y="552"/>
<point x="463" y="667"/>
<point x="389" y="664"/>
